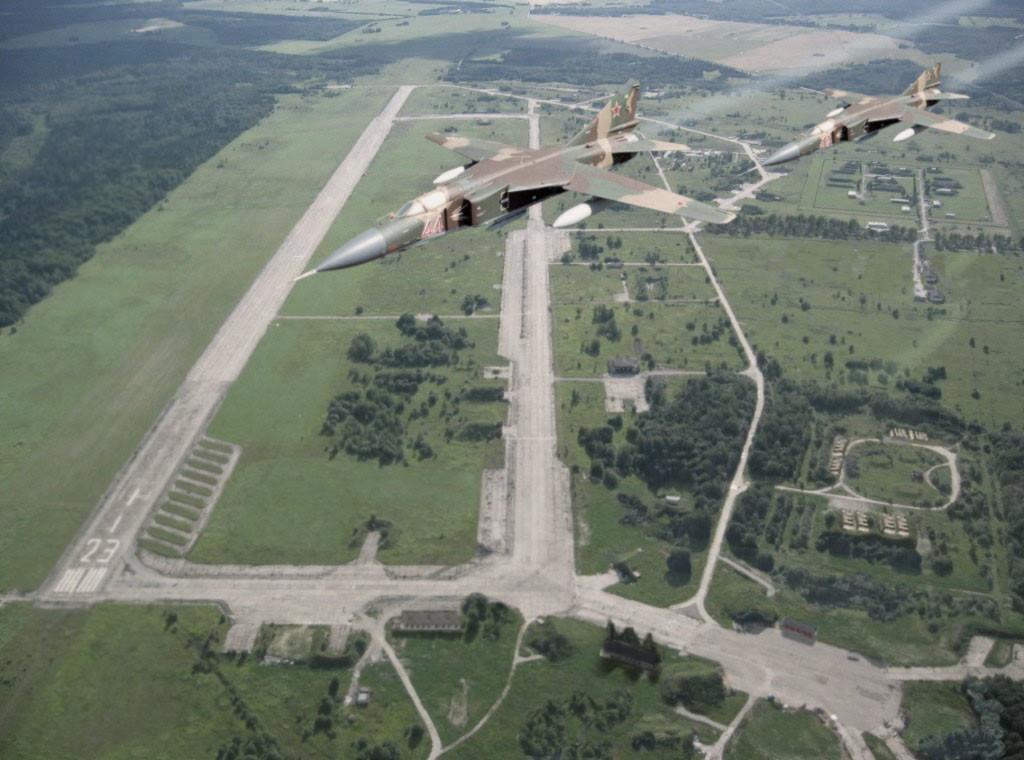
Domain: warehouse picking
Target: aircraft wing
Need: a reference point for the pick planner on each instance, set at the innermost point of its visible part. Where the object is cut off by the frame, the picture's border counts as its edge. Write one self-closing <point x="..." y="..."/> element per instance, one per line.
<point x="473" y="148"/>
<point x="642" y="145"/>
<point x="847" y="95"/>
<point x="621" y="189"/>
<point x="920" y="118"/>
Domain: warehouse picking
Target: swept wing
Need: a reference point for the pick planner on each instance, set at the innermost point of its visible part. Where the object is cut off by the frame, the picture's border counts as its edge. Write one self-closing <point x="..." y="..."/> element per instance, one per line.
<point x="475" y="149"/>
<point x="616" y="187"/>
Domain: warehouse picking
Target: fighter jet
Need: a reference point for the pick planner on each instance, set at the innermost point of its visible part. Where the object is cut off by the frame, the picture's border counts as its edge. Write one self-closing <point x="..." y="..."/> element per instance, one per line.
<point x="862" y="116"/>
<point x="500" y="182"/>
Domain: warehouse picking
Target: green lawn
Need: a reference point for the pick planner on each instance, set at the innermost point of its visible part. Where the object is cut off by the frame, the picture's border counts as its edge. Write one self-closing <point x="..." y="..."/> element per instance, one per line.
<point x="772" y="733"/>
<point x="458" y="679"/>
<point x="121" y="682"/>
<point x="90" y="369"/>
<point x="886" y="473"/>
<point x="584" y="672"/>
<point x="1001" y="654"/>
<point x="934" y="708"/>
<point x="288" y="502"/>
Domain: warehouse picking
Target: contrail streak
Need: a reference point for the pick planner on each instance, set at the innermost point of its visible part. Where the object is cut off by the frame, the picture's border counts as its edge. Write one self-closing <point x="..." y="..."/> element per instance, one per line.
<point x="905" y="30"/>
<point x="993" y="66"/>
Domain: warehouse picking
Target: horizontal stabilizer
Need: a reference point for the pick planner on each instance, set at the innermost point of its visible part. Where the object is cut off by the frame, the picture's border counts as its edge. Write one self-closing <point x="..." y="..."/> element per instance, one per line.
<point x="919" y="118"/>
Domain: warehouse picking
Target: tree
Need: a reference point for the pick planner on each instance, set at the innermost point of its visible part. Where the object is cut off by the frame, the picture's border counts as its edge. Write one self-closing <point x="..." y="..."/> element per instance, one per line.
<point x="679" y="566"/>
<point x="362" y="348"/>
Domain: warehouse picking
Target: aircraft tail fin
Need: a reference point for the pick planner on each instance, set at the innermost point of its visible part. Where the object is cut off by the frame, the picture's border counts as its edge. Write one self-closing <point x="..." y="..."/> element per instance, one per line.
<point x="618" y="115"/>
<point x="928" y="80"/>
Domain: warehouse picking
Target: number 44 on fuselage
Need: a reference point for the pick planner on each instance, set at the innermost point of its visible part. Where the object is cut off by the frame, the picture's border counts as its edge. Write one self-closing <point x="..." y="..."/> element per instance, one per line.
<point x="501" y="181"/>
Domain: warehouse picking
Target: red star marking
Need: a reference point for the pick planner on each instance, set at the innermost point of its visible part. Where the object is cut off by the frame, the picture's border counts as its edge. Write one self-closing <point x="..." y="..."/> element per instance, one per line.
<point x="616" y="110"/>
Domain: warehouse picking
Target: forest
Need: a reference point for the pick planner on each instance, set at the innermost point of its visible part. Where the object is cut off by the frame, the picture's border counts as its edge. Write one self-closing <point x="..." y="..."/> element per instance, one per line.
<point x="112" y="127"/>
<point x="691" y="441"/>
<point x="584" y="63"/>
<point x="998" y="733"/>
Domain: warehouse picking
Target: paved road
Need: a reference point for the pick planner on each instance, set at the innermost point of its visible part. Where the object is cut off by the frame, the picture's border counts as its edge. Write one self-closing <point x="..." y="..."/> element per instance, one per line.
<point x="841" y="493"/>
<point x="108" y="538"/>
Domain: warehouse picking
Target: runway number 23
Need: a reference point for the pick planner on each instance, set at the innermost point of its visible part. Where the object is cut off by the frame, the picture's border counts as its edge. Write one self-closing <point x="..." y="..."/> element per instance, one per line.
<point x="93" y="545"/>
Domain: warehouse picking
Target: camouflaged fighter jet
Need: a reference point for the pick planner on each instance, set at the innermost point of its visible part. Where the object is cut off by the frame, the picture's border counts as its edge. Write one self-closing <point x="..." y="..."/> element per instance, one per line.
<point x="501" y="181"/>
<point x="866" y="116"/>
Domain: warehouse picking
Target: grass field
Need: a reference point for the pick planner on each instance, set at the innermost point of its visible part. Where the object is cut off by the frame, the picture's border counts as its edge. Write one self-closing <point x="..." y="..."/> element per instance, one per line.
<point x="934" y="708"/>
<point x="772" y="733"/>
<point x="121" y="681"/>
<point x="887" y="473"/>
<point x="671" y="315"/>
<point x="94" y="364"/>
<point x="584" y="672"/>
<point x="287" y="502"/>
<point x="458" y="679"/>
<point x="1001" y="654"/>
<point x="855" y="291"/>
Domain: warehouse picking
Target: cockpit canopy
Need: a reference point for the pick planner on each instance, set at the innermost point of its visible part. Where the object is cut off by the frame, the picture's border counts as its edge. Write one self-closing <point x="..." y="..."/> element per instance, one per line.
<point x="430" y="201"/>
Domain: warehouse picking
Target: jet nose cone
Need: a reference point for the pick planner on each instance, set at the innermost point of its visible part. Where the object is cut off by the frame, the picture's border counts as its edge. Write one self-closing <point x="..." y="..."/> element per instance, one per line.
<point x="790" y="152"/>
<point x="364" y="247"/>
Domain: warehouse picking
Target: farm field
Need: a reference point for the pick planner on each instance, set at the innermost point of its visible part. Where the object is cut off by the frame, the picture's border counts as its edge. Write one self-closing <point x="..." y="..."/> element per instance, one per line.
<point x="745" y="46"/>
<point x="100" y="666"/>
<point x="859" y="295"/>
<point x="633" y="704"/>
<point x="773" y="733"/>
<point x="289" y="502"/>
<point x="97" y="361"/>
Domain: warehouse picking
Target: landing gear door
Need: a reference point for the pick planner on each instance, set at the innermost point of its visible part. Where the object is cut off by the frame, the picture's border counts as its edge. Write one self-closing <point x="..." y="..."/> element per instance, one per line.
<point x="487" y="205"/>
<point x="459" y="214"/>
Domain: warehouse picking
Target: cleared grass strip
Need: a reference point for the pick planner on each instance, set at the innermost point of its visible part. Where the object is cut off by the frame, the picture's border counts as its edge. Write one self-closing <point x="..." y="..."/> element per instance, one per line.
<point x="210" y="456"/>
<point x="186" y="498"/>
<point x="158" y="547"/>
<point x="199" y="464"/>
<point x="170" y="536"/>
<point x="199" y="477"/>
<point x="180" y="510"/>
<point x="193" y="488"/>
<point x="223" y="448"/>
<point x="169" y="521"/>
